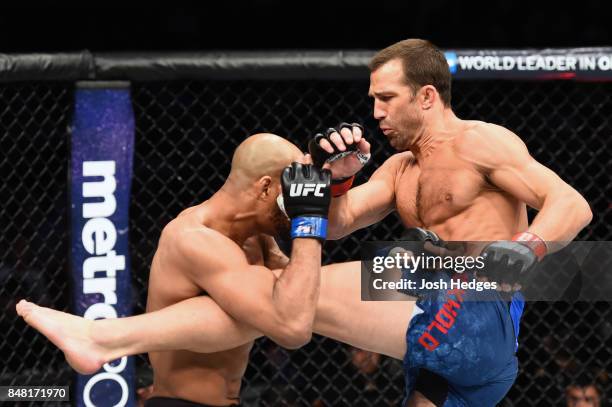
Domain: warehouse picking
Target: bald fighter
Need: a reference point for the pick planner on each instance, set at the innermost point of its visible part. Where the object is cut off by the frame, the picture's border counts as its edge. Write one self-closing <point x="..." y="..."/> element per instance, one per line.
<point x="218" y="247"/>
<point x="464" y="180"/>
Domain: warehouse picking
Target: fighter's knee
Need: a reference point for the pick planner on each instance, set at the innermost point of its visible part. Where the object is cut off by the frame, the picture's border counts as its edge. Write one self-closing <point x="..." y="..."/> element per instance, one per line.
<point x="295" y="335"/>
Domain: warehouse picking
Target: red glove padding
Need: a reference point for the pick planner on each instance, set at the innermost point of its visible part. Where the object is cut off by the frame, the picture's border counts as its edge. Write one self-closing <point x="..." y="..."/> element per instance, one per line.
<point x="341" y="187"/>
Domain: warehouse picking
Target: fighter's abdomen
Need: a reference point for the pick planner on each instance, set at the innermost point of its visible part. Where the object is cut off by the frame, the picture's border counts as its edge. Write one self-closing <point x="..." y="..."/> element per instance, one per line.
<point x="491" y="216"/>
<point x="212" y="378"/>
<point x="206" y="378"/>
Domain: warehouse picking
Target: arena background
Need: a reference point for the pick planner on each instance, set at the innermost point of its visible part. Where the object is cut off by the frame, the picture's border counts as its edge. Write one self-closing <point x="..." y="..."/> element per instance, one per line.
<point x="186" y="131"/>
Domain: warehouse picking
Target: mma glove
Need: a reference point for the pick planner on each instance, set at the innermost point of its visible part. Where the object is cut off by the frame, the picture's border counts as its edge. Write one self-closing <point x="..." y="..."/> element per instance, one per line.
<point x="418" y="235"/>
<point x="422" y="235"/>
<point x="319" y="156"/>
<point x="415" y="241"/>
<point x="306" y="199"/>
<point x="507" y="261"/>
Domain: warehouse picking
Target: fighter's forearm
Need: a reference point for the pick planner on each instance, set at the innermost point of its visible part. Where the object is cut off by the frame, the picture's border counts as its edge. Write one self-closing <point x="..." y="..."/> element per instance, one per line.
<point x="296" y="291"/>
<point x="360" y="207"/>
<point x="562" y="216"/>
<point x="339" y="218"/>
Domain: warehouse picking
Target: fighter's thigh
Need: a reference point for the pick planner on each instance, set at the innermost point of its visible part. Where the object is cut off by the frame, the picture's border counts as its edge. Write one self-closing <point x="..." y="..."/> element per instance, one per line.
<point x="377" y="326"/>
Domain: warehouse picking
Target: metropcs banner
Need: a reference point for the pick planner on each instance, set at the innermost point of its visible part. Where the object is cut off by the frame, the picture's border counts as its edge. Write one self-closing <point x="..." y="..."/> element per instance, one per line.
<point x="589" y="64"/>
<point x="101" y="170"/>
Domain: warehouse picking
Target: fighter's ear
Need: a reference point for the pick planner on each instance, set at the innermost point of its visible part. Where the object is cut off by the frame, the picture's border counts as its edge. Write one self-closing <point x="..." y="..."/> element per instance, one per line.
<point x="264" y="187"/>
<point x="428" y="95"/>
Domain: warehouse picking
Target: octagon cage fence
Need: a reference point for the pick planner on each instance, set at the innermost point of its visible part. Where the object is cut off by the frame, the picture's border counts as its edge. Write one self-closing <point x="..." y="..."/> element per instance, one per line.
<point x="191" y="111"/>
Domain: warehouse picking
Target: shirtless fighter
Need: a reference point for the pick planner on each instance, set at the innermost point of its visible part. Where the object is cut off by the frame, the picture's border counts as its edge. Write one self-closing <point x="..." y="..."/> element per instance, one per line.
<point x="217" y="246"/>
<point x="464" y="180"/>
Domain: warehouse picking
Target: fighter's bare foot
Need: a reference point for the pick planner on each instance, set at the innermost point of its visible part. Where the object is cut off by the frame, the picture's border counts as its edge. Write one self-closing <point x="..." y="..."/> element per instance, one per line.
<point x="69" y="333"/>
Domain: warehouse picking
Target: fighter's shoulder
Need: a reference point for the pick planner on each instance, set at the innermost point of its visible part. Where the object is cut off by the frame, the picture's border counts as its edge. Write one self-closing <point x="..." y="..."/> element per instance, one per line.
<point x="191" y="242"/>
<point x="487" y="141"/>
<point x="397" y="162"/>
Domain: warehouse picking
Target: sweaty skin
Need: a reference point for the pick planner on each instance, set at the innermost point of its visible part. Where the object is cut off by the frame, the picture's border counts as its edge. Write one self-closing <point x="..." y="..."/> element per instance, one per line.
<point x="211" y="247"/>
<point x="465" y="180"/>
<point x="207" y="248"/>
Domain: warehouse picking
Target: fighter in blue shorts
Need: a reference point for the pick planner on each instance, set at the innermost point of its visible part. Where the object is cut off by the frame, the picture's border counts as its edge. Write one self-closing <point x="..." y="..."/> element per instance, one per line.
<point x="465" y="180"/>
<point x="461" y="343"/>
<point x="475" y="360"/>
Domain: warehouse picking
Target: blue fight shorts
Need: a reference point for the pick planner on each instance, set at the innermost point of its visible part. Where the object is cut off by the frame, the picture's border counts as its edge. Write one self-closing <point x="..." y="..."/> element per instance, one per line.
<point x="467" y="337"/>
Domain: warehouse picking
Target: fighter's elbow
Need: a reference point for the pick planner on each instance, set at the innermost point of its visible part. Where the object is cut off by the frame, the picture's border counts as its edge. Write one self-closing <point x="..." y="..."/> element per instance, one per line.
<point x="294" y="336"/>
<point x="298" y="341"/>
<point x="580" y="208"/>
<point x="587" y="213"/>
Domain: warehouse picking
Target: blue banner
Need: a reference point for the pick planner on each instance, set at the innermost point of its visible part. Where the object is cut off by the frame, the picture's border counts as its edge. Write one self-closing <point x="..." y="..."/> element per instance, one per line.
<point x="101" y="170"/>
<point x="581" y="64"/>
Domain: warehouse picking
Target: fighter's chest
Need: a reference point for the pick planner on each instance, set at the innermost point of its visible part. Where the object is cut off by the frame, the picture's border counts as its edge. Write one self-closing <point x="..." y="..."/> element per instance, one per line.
<point x="433" y="193"/>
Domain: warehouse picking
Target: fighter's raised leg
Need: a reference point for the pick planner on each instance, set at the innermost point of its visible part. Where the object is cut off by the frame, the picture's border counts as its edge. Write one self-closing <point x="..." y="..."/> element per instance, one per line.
<point x="197" y="324"/>
<point x="377" y="326"/>
<point x="200" y="325"/>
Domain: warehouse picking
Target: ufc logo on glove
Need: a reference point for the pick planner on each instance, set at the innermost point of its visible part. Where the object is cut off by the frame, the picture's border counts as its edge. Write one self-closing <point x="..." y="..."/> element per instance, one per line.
<point x="305" y="189"/>
<point x="307" y="195"/>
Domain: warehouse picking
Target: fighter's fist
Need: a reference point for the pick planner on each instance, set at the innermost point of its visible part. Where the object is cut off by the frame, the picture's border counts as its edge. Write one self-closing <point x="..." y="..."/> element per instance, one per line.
<point x="505" y="262"/>
<point x="306" y="196"/>
<point x="344" y="148"/>
<point x="422" y="235"/>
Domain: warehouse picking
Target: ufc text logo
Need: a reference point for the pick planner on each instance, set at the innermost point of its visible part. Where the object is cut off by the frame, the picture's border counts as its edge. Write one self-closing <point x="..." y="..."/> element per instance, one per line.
<point x="305" y="189"/>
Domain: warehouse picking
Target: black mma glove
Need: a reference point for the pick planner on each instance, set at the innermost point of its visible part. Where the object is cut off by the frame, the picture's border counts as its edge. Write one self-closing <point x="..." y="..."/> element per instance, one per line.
<point x="306" y="199"/>
<point x="320" y="156"/>
<point x="422" y="235"/>
<point x="419" y="238"/>
<point x="418" y="242"/>
<point x="507" y="261"/>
